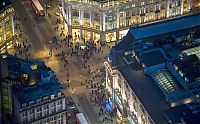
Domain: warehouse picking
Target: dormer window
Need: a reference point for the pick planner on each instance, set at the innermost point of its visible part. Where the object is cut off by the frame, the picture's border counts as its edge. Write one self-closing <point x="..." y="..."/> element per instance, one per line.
<point x="23" y="105"/>
<point x="52" y="96"/>
<point x="31" y="103"/>
<point x="59" y="94"/>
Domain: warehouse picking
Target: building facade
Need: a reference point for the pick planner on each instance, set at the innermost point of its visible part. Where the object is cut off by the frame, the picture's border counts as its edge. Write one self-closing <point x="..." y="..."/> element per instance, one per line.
<point x="129" y="107"/>
<point x="30" y="92"/>
<point x="110" y="21"/>
<point x="133" y="93"/>
<point x="44" y="110"/>
<point x="7" y="32"/>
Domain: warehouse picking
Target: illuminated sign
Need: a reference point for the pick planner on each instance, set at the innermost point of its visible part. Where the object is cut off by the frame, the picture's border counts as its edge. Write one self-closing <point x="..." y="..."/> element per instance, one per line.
<point x="25" y="76"/>
<point x="34" y="67"/>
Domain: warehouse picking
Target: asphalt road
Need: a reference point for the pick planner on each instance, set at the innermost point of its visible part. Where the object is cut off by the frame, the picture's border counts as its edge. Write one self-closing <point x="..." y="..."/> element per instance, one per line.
<point x="42" y="31"/>
<point x="38" y="30"/>
<point x="28" y="25"/>
<point x="88" y="109"/>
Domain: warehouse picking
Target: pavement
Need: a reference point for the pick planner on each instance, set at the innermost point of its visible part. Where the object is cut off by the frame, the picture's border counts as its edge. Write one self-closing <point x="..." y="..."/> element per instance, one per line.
<point x="40" y="32"/>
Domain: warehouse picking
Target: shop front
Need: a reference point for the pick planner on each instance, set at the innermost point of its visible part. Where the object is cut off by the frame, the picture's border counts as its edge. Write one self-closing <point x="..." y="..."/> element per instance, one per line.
<point x="76" y="22"/>
<point x="123" y="33"/>
<point x="96" y="26"/>
<point x="76" y="33"/>
<point x="96" y="37"/>
<point x="86" y="35"/>
<point x="118" y="102"/>
<point x="110" y="37"/>
<point x="86" y="23"/>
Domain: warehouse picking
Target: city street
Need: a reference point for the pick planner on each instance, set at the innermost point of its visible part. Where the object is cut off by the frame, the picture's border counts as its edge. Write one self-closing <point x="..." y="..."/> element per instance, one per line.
<point x="40" y="32"/>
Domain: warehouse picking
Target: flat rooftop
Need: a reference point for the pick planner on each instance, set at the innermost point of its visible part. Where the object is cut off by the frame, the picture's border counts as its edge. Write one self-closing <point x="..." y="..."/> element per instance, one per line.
<point x="166" y="26"/>
<point x="146" y="58"/>
<point x="147" y="92"/>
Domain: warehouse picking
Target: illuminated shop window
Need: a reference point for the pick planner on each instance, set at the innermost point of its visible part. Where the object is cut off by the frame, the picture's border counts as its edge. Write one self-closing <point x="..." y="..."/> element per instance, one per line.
<point x="111" y="37"/>
<point x="96" y="26"/>
<point x="1" y="38"/>
<point x="8" y="34"/>
<point x="75" y="23"/>
<point x="86" y="24"/>
<point x="1" y="15"/>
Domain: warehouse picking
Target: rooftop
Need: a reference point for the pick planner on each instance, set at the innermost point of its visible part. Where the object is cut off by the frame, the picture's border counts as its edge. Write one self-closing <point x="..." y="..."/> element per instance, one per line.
<point x="146" y="90"/>
<point x="142" y="85"/>
<point x="190" y="113"/>
<point x="29" y="93"/>
<point x="18" y="66"/>
<point x="32" y="70"/>
<point x="189" y="66"/>
<point x="146" y="58"/>
<point x="4" y="4"/>
<point x="164" y="27"/>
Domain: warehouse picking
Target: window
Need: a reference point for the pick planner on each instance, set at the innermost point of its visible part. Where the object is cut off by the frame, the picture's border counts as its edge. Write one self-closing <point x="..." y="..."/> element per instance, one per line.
<point x="25" y="119"/>
<point x="151" y="8"/>
<point x="133" y="5"/>
<point x="32" y="111"/>
<point x="60" y="120"/>
<point x="86" y="15"/>
<point x="24" y="114"/>
<point x="53" y="120"/>
<point x="39" y="112"/>
<point x="52" y="96"/>
<point x="31" y="103"/>
<point x="59" y="107"/>
<point x="151" y="1"/>
<point x="23" y="105"/>
<point x="179" y="3"/>
<point x="32" y="117"/>
<point x="38" y="100"/>
<point x="121" y="14"/>
<point x="46" y="98"/>
<point x="96" y="17"/>
<point x="142" y="3"/>
<point x="59" y="94"/>
<point x="127" y="6"/>
<point x="60" y="102"/>
<point x="75" y="13"/>
<point x="46" y="110"/>
<point x="133" y="13"/>
<point x="127" y="13"/>
<point x="162" y="6"/>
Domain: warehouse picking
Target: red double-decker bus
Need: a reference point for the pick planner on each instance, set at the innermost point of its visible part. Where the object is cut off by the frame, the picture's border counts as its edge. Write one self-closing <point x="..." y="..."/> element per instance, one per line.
<point x="39" y="11"/>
